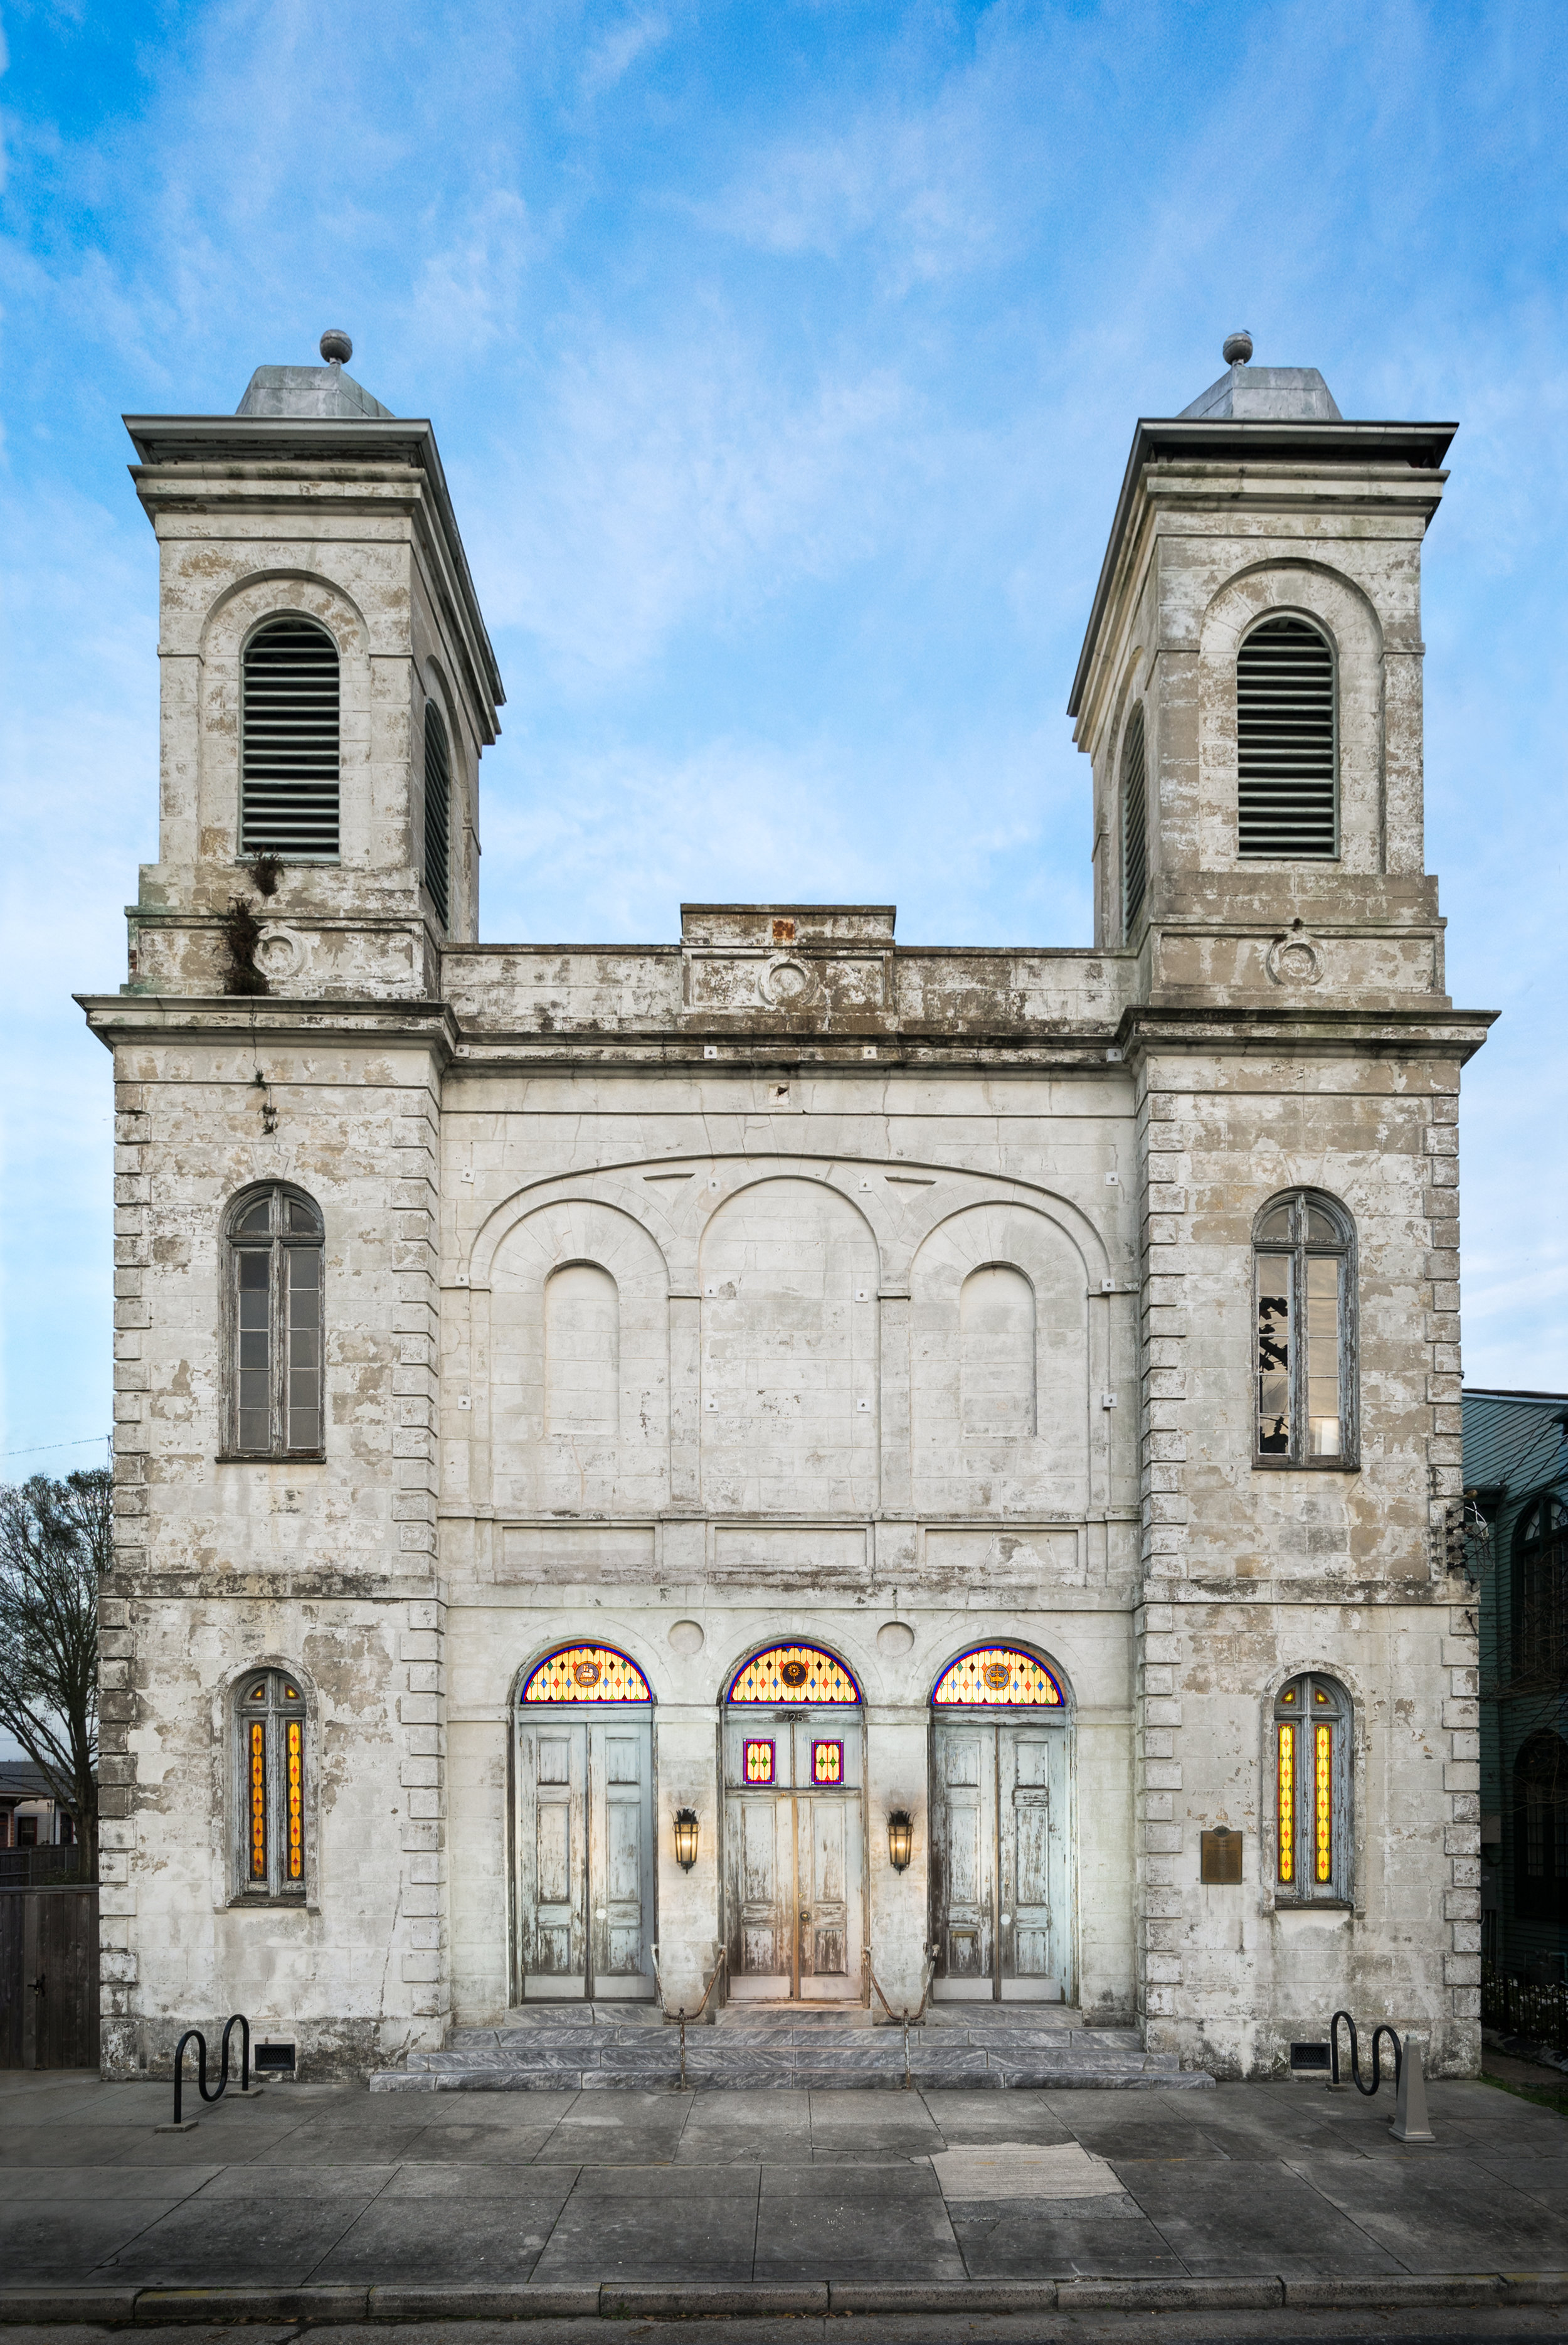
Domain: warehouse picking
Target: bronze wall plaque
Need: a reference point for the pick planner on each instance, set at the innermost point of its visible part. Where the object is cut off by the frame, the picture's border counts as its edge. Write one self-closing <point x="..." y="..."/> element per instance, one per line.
<point x="1219" y="1855"/>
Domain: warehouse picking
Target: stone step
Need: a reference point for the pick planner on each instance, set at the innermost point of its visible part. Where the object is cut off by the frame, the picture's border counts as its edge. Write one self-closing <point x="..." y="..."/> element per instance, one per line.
<point x="595" y="2056"/>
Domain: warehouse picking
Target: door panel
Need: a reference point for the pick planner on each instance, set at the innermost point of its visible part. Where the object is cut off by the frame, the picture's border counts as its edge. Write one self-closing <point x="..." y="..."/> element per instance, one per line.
<point x="1026" y="1767"/>
<point x="761" y="1895"/>
<point x="1000" y="1861"/>
<point x="830" y="1936"/>
<point x="621" y="1857"/>
<point x="551" y="1783"/>
<point x="964" y="1855"/>
<point x="794" y="1859"/>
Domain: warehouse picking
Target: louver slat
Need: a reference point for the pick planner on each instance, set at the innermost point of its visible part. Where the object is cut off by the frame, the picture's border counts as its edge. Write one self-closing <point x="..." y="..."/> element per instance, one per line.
<point x="289" y="748"/>
<point x="1286" y="760"/>
<point x="1134" y="825"/>
<point x="437" y="815"/>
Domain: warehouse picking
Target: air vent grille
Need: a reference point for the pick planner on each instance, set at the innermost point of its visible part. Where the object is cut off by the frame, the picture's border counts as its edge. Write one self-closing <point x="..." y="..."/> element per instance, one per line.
<point x="437" y="815"/>
<point x="1134" y="824"/>
<point x="290" y="742"/>
<point x="1285" y="738"/>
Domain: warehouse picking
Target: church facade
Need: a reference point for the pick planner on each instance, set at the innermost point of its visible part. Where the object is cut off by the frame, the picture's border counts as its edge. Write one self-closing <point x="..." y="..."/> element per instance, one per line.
<point x="780" y="1454"/>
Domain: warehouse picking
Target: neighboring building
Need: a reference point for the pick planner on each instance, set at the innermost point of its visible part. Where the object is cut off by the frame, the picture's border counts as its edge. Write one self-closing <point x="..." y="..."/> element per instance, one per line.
<point x="1516" y="1471"/>
<point x="29" y="1817"/>
<point x="611" y="1440"/>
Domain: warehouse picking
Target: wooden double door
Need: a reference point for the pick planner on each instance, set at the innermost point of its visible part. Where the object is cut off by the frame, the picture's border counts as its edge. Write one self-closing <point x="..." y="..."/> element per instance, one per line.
<point x="584" y="1838"/>
<point x="794" y="1827"/>
<point x="1001" y="1876"/>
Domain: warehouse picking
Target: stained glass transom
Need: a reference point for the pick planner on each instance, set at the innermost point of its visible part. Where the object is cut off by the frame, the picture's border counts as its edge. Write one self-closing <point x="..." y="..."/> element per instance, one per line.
<point x="794" y="1673"/>
<point x="586" y="1673"/>
<point x="997" y="1677"/>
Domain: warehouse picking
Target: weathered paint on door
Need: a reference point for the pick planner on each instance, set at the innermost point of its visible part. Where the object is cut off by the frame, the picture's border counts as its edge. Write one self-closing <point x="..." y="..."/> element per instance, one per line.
<point x="1001" y="1876"/>
<point x="584" y="1856"/>
<point x="795" y="1895"/>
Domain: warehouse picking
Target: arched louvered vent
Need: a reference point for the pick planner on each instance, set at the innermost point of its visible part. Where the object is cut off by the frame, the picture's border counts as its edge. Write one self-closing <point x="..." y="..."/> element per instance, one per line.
<point x="438" y="814"/>
<point x="289" y="752"/>
<point x="1134" y="824"/>
<point x="1285" y="738"/>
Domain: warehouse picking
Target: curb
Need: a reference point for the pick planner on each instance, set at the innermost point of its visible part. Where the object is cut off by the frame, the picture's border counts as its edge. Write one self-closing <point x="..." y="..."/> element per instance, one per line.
<point x="149" y="2306"/>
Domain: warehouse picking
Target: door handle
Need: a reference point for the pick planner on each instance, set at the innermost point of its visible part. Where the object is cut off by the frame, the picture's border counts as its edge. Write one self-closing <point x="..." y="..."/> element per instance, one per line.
<point x="40" y="1984"/>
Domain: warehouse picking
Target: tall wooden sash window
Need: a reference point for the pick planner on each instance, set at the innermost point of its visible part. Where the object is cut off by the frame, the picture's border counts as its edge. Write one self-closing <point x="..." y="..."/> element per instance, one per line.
<point x="276" y="1334"/>
<point x="271" y="1736"/>
<point x="1311" y="1756"/>
<point x="1304" y="1307"/>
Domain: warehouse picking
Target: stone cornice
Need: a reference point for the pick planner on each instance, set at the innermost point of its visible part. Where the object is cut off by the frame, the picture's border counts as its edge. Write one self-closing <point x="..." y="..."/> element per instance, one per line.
<point x="1437" y="1032"/>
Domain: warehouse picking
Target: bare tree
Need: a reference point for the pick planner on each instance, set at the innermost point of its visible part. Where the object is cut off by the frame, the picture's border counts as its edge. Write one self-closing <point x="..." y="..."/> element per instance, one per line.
<point x="56" y="1544"/>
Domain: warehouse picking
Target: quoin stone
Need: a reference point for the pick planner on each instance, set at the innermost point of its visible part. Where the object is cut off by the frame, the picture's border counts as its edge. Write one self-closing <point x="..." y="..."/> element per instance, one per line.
<point x="775" y="1375"/>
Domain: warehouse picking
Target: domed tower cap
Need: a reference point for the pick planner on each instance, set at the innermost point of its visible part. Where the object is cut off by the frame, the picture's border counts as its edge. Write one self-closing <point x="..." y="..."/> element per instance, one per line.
<point x="1236" y="349"/>
<point x="338" y="350"/>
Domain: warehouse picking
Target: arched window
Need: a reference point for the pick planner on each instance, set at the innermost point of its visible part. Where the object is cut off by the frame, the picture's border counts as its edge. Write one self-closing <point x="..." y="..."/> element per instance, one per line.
<point x="582" y="1350"/>
<point x="1303" y="1287"/>
<point x="1540" y="1595"/>
<point x="438" y="814"/>
<point x="1134" y="824"/>
<point x="275" y="1248"/>
<point x="1312" y="1792"/>
<point x="997" y="1352"/>
<point x="270" y="1759"/>
<point x="1540" y="1829"/>
<point x="288" y="743"/>
<point x="1287" y="742"/>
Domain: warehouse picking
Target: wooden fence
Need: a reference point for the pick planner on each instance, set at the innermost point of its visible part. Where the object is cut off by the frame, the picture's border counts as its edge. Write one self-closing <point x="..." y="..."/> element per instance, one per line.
<point x="49" y="1977"/>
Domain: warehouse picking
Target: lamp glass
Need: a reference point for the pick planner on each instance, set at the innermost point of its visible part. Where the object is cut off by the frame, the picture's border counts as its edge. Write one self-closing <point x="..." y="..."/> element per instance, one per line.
<point x="685" y="1837"/>
<point x="900" y="1840"/>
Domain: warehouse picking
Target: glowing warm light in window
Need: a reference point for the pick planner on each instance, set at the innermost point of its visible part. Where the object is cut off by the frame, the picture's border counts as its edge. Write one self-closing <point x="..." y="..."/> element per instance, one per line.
<point x="295" y="1742"/>
<point x="587" y="1673"/>
<point x="827" y="1762"/>
<point x="759" y="1762"/>
<point x="794" y="1673"/>
<point x="1287" y="1803"/>
<point x="999" y="1677"/>
<point x="258" y="1799"/>
<point x="1324" y="1863"/>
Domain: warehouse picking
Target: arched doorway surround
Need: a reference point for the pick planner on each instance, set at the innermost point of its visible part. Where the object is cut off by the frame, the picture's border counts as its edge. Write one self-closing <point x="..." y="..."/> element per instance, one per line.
<point x="584" y="1783"/>
<point x="794" y="1826"/>
<point x="1001" y="1843"/>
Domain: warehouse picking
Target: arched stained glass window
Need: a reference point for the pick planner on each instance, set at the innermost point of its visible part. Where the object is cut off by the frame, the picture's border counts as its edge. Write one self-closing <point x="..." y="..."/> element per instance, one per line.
<point x="794" y="1673"/>
<point x="271" y="1768"/>
<point x="997" y="1677"/>
<point x="586" y="1673"/>
<point x="1312" y="1792"/>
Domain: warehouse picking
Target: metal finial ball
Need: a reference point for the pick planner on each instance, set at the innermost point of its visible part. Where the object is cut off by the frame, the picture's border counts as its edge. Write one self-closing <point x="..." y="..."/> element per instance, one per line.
<point x="336" y="349"/>
<point x="1236" y="349"/>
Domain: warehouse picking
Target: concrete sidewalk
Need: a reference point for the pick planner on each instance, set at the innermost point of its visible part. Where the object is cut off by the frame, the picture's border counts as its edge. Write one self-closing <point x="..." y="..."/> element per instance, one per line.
<point x="569" y="2205"/>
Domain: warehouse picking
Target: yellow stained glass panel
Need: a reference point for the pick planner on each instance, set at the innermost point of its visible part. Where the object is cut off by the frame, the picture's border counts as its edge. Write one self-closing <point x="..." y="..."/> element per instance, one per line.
<point x="587" y="1673"/>
<point x="257" y="1801"/>
<point x="1323" y="1787"/>
<point x="296" y="1747"/>
<point x="794" y="1673"/>
<point x="999" y="1677"/>
<point x="1287" y="1811"/>
<point x="827" y="1762"/>
<point x="759" y="1762"/>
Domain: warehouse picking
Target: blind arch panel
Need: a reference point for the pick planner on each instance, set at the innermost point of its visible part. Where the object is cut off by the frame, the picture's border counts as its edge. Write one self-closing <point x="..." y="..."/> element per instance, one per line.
<point x="1287" y="742"/>
<point x="290" y="742"/>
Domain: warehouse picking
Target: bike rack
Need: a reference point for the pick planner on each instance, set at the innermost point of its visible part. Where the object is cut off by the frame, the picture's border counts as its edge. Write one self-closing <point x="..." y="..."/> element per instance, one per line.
<point x="1379" y="2032"/>
<point x="194" y="2035"/>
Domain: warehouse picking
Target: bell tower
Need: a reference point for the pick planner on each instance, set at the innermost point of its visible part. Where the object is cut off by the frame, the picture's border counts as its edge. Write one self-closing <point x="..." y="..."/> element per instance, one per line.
<point x="1249" y="694"/>
<point x="328" y="688"/>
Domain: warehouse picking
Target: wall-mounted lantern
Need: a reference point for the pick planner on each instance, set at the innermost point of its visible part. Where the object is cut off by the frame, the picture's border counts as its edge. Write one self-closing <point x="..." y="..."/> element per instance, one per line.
<point x="685" y="1837"/>
<point x="900" y="1839"/>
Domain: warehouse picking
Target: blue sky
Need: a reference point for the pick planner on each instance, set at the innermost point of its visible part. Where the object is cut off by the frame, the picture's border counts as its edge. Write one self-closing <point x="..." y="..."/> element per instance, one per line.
<point x="784" y="360"/>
